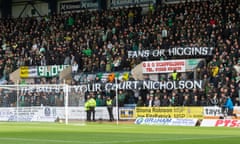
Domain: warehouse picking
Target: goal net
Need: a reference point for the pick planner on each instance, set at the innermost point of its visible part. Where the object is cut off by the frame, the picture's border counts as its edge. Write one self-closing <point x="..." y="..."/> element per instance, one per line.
<point x="42" y="103"/>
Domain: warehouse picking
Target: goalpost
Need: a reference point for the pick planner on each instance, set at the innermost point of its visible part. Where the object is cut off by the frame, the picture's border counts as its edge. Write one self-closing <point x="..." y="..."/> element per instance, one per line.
<point x="49" y="103"/>
<point x="41" y="103"/>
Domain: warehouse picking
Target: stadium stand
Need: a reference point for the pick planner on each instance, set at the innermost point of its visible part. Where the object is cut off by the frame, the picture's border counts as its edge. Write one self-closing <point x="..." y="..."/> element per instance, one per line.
<point x="98" y="41"/>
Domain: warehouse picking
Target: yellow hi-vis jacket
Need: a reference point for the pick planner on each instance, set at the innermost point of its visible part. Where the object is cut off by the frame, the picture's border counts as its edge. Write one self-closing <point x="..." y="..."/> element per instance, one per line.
<point x="174" y="76"/>
<point x="109" y="102"/>
<point x="92" y="102"/>
<point x="86" y="106"/>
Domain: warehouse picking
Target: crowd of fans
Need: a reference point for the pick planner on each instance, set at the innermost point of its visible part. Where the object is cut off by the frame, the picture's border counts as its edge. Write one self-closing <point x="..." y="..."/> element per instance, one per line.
<point x="98" y="41"/>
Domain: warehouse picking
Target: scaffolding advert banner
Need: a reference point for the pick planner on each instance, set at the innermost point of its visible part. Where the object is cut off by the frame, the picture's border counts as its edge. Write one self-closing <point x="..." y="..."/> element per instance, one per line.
<point x="170" y="112"/>
<point x="166" y="66"/>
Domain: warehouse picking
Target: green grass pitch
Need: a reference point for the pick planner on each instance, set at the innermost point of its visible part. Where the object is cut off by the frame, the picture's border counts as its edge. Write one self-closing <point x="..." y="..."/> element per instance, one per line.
<point x="99" y="133"/>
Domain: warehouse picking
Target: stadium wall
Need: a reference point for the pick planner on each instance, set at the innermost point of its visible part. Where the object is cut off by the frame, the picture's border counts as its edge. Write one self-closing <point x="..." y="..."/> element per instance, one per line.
<point x="48" y="113"/>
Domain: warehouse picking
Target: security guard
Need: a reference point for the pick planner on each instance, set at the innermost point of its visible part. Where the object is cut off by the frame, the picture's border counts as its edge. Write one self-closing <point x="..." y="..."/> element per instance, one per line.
<point x="87" y="109"/>
<point x="110" y="108"/>
<point x="92" y="104"/>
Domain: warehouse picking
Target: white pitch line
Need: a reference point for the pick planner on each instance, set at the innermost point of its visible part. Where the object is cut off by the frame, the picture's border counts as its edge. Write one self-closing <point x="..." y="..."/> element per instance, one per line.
<point x="111" y="142"/>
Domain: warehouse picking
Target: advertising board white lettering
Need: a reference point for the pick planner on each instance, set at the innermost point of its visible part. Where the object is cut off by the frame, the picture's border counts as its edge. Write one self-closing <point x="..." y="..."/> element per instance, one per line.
<point x="165" y="121"/>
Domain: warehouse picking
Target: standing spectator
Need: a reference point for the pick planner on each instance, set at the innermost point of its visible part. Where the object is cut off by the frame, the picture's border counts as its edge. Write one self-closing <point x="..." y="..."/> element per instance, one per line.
<point x="195" y="101"/>
<point x="99" y="100"/>
<point x="214" y="100"/>
<point x="121" y="98"/>
<point x="75" y="67"/>
<point x="5" y="100"/>
<point x="130" y="17"/>
<point x="149" y="101"/>
<point x="156" y="102"/>
<point x="236" y="101"/>
<point x="186" y="101"/>
<point x="140" y="102"/>
<point x="203" y="101"/>
<point x="228" y="106"/>
<point x="165" y="101"/>
<point x="172" y="100"/>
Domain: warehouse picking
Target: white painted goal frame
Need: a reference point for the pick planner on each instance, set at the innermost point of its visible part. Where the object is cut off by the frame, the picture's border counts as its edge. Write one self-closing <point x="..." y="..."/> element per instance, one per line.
<point x="15" y="107"/>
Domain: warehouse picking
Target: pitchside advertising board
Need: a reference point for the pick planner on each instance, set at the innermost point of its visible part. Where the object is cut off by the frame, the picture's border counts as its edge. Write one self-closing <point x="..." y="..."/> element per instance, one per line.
<point x="170" y="112"/>
<point x="49" y="114"/>
<point x="166" y="121"/>
<point x="220" y="123"/>
<point x="211" y="112"/>
<point x="214" y="112"/>
<point x="127" y="113"/>
<point x="142" y="115"/>
<point x="28" y="114"/>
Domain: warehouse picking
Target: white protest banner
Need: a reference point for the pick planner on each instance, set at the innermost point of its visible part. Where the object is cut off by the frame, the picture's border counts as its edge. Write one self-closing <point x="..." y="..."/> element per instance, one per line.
<point x="126" y="85"/>
<point x="175" y="51"/>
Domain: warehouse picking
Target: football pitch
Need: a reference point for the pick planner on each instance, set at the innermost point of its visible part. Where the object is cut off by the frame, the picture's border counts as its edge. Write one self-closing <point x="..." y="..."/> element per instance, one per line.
<point x="102" y="133"/>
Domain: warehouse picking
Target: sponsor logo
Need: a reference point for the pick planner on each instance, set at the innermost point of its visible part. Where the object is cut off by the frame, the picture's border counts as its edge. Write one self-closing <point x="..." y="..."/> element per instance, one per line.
<point x="47" y="111"/>
<point x="151" y="121"/>
<point x="139" y="121"/>
<point x="228" y="123"/>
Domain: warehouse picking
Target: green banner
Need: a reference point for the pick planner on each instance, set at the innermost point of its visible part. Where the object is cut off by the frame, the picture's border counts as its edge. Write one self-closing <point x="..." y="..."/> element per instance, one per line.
<point x="50" y="71"/>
